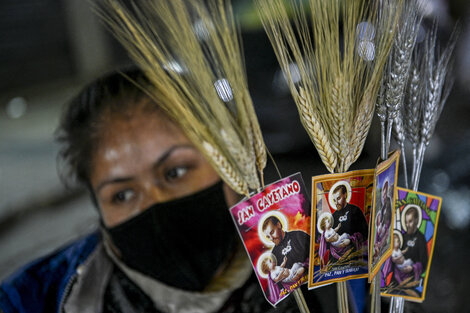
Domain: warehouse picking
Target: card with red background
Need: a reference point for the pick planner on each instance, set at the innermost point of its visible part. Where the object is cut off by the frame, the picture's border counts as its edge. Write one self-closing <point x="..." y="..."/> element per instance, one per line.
<point x="274" y="226"/>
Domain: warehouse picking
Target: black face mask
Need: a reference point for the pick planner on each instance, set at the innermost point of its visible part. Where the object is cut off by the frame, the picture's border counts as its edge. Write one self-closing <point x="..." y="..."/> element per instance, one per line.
<point x="181" y="243"/>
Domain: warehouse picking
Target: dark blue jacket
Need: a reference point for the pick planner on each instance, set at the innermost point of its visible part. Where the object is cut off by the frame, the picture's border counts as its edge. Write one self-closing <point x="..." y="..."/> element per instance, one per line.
<point x="41" y="285"/>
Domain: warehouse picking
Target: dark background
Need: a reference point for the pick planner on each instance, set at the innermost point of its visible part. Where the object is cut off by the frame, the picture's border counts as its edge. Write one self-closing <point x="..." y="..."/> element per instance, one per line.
<point x="49" y="49"/>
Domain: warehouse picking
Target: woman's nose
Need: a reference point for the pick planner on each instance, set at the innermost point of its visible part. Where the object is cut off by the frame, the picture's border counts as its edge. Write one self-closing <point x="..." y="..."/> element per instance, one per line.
<point x="153" y="194"/>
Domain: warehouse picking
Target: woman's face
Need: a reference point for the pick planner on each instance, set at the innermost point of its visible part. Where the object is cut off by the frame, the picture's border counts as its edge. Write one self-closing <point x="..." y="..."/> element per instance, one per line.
<point x="143" y="159"/>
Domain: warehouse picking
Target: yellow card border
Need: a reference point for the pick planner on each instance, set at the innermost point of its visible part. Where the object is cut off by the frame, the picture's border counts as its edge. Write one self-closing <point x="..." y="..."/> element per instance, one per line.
<point x="315" y="180"/>
<point x="382" y="167"/>
<point x="428" y="266"/>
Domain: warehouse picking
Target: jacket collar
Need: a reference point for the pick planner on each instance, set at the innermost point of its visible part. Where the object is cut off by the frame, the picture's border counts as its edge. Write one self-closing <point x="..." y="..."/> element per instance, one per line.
<point x="89" y="284"/>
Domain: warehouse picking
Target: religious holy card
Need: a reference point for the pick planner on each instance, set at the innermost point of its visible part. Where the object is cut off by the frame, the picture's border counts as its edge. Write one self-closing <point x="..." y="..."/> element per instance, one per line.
<point x="405" y="273"/>
<point x="274" y="226"/>
<point x="382" y="215"/>
<point x="341" y="208"/>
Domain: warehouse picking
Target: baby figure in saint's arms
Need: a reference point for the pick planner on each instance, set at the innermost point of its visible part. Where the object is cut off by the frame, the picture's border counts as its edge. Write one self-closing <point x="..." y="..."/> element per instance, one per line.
<point x="279" y="273"/>
<point x="333" y="237"/>
<point x="398" y="255"/>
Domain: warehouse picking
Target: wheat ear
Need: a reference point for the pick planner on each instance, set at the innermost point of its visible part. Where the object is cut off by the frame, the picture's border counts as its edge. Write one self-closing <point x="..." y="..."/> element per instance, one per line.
<point x="258" y="141"/>
<point x="381" y="110"/>
<point x="340" y="124"/>
<point x="242" y="157"/>
<point x="226" y="171"/>
<point x="311" y="122"/>
<point x="400" y="63"/>
<point x="412" y="111"/>
<point x="438" y="82"/>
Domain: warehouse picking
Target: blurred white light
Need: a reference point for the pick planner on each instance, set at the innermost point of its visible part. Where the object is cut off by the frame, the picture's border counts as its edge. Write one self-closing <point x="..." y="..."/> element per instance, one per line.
<point x="435" y="149"/>
<point x="366" y="50"/>
<point x="441" y="181"/>
<point x="295" y="73"/>
<point x="279" y="83"/>
<point x="16" y="107"/>
<point x="365" y="31"/>
<point x="201" y="30"/>
<point x="421" y="34"/>
<point x="457" y="208"/>
<point x="224" y="90"/>
<point x="426" y="7"/>
<point x="174" y="67"/>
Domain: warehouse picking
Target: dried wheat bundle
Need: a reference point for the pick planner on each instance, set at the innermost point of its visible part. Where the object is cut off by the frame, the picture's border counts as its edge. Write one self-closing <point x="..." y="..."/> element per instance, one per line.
<point x="396" y="78"/>
<point x="190" y="52"/>
<point x="436" y="82"/>
<point x="427" y="89"/>
<point x="400" y="62"/>
<point x="332" y="54"/>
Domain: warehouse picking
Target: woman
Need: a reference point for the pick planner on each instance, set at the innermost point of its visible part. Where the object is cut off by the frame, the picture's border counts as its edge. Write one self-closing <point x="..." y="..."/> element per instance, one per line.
<point x="166" y="241"/>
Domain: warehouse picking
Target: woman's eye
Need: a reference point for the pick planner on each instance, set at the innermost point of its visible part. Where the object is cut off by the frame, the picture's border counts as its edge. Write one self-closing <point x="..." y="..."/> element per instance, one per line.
<point x="175" y="173"/>
<point x="123" y="196"/>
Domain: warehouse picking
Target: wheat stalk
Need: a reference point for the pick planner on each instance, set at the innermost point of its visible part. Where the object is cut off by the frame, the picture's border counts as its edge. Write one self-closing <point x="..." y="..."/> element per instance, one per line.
<point x="241" y="157"/>
<point x="339" y="116"/>
<point x="190" y="52"/>
<point x="438" y="82"/>
<point x="399" y="135"/>
<point x="362" y="124"/>
<point x="428" y="89"/>
<point x="412" y="111"/>
<point x="381" y="110"/>
<point x="386" y="19"/>
<point x="227" y="173"/>
<point x="254" y="132"/>
<point x="315" y="130"/>
<point x="400" y="63"/>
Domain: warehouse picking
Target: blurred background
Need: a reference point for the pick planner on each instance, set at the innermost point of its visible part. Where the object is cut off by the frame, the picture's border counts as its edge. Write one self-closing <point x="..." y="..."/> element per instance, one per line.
<point x="49" y="49"/>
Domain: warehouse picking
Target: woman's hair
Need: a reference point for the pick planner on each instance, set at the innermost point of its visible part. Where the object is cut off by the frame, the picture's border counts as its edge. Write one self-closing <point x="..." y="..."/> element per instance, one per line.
<point x="78" y="132"/>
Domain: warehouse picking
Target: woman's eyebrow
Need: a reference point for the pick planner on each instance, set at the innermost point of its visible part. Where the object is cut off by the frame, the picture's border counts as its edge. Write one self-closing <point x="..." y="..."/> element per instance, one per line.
<point x="113" y="181"/>
<point x="158" y="163"/>
<point x="169" y="152"/>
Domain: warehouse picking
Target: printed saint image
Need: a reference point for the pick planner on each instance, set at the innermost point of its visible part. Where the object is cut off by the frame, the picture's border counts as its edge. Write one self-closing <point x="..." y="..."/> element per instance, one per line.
<point x="381" y="230"/>
<point x="405" y="273"/>
<point x="275" y="228"/>
<point x="341" y="207"/>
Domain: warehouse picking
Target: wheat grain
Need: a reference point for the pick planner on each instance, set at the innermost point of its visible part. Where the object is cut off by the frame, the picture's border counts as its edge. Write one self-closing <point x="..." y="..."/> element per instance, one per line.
<point x="314" y="128"/>
<point x="225" y="170"/>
